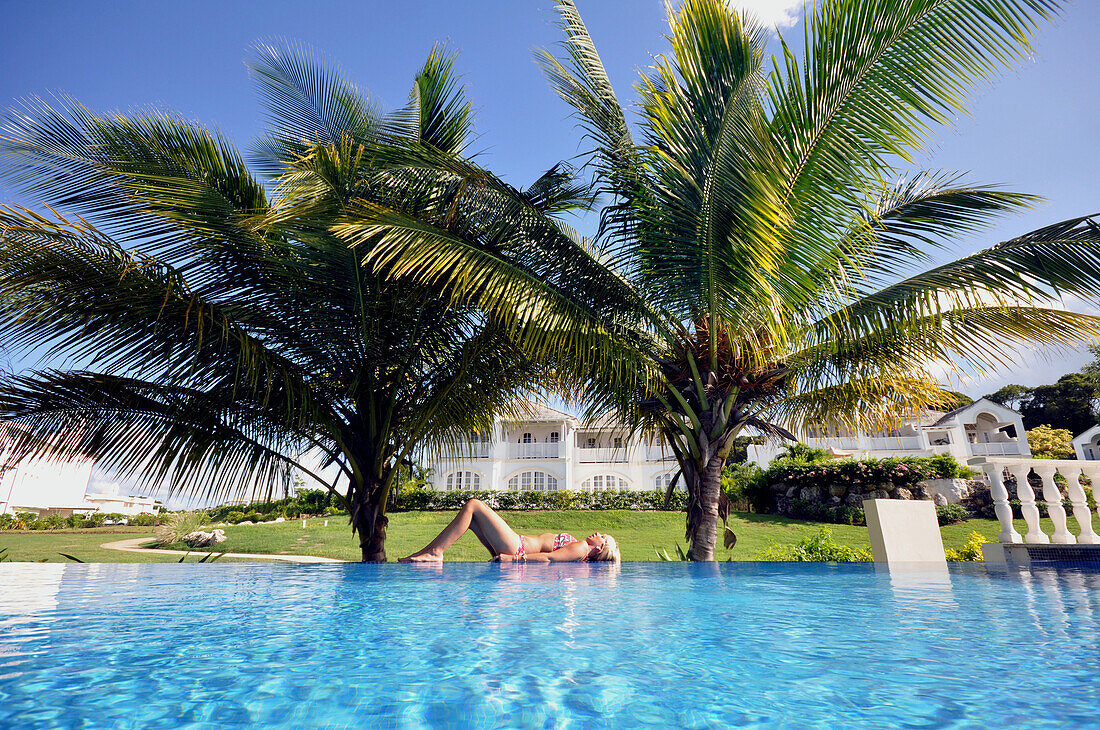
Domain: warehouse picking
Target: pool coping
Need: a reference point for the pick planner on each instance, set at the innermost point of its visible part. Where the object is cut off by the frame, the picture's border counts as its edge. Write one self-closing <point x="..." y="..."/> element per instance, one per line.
<point x="133" y="545"/>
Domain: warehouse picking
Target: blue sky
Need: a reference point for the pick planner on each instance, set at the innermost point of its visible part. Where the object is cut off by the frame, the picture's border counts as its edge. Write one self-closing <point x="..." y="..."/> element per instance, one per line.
<point x="1033" y="130"/>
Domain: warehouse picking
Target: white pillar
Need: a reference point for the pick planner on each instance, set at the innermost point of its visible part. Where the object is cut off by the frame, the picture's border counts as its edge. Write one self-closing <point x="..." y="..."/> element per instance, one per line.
<point x="568" y="447"/>
<point x="1080" y="505"/>
<point x="1000" y="503"/>
<point x="1053" y="498"/>
<point x="1026" y="494"/>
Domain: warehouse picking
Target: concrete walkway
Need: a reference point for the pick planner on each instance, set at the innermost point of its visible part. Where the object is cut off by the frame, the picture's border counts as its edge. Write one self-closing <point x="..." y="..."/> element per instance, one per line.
<point x="133" y="546"/>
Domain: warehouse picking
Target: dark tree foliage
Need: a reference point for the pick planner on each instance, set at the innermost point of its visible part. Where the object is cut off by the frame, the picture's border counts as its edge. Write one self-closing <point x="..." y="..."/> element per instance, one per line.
<point x="1065" y="404"/>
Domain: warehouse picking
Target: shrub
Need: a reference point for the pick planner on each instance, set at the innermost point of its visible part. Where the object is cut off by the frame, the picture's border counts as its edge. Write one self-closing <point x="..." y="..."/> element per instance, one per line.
<point x="331" y="511"/>
<point x="145" y="519"/>
<point x="944" y="466"/>
<point x="95" y="519"/>
<point x="816" y="548"/>
<point x="743" y="484"/>
<point x="972" y="550"/>
<point x="1050" y="443"/>
<point x="949" y="514"/>
<point x="75" y="521"/>
<point x="179" y="525"/>
<point x="234" y="517"/>
<point x="804" y="509"/>
<point x="252" y="517"/>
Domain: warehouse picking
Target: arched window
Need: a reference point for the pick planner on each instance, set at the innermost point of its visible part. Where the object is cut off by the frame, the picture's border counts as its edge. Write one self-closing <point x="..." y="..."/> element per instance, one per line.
<point x="618" y="442"/>
<point x="663" y="480"/>
<point x="462" y="480"/>
<point x="538" y="481"/>
<point x="555" y="437"/>
<point x="604" y="482"/>
<point x="526" y="438"/>
<point x="590" y="444"/>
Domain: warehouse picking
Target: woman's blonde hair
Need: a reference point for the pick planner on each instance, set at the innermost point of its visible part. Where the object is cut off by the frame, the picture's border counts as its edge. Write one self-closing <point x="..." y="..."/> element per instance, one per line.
<point x="609" y="552"/>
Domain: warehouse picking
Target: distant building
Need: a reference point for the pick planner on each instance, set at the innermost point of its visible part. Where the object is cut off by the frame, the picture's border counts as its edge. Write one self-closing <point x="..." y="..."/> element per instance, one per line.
<point x="551" y="451"/>
<point x="56" y="486"/>
<point x="983" y="428"/>
<point x="1087" y="445"/>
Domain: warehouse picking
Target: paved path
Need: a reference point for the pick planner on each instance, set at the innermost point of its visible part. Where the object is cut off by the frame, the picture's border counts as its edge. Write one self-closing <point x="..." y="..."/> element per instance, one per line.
<point x="134" y="546"/>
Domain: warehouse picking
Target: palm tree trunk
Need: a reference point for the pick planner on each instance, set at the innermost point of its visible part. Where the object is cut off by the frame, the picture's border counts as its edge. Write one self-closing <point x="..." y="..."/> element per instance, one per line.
<point x="368" y="519"/>
<point x="704" y="488"/>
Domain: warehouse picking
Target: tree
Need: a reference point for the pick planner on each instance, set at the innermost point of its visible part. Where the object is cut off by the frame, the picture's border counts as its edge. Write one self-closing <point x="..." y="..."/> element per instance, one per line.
<point x="229" y="333"/>
<point x="754" y="267"/>
<point x="1050" y="443"/>
<point x="1066" y="404"/>
<point x="1010" y="396"/>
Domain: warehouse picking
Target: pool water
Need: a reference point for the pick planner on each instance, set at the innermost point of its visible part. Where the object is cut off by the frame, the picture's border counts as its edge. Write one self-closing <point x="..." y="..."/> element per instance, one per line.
<point x="567" y="645"/>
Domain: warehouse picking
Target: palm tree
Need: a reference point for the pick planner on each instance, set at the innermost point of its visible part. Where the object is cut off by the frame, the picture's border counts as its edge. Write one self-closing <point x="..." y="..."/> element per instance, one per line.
<point x="759" y="258"/>
<point x="225" y="338"/>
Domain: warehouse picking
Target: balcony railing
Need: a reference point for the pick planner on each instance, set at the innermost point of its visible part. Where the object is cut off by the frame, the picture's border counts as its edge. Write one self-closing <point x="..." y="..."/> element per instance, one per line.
<point x="892" y="443"/>
<point x="1071" y="470"/>
<point x="534" y="451"/>
<point x="469" y="450"/>
<point x="659" y="453"/>
<point x="591" y="454"/>
<point x="997" y="448"/>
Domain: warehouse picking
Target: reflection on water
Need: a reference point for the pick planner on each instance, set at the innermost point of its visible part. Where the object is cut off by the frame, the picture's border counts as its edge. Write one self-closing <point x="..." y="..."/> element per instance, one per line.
<point x="667" y="645"/>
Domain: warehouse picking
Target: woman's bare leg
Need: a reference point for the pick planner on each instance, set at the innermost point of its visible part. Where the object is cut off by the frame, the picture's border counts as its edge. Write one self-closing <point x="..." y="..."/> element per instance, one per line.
<point x="493" y="532"/>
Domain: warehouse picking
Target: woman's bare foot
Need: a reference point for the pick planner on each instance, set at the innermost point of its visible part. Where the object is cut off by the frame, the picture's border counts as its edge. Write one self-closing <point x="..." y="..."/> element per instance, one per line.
<point x="422" y="558"/>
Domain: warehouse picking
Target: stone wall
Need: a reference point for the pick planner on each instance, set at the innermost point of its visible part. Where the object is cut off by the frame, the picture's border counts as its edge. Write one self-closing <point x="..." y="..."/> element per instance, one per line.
<point x="941" y="491"/>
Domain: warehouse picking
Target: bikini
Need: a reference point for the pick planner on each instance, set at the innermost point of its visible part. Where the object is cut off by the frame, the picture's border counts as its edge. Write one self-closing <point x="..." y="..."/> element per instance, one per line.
<point x="560" y="540"/>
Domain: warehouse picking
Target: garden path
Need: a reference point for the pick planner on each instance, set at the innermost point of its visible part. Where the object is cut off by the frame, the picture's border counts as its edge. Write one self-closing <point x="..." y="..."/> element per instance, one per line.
<point x="133" y="545"/>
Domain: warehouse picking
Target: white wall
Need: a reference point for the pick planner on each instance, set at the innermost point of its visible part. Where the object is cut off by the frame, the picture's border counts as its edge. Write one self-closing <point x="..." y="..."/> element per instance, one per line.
<point x="44" y="484"/>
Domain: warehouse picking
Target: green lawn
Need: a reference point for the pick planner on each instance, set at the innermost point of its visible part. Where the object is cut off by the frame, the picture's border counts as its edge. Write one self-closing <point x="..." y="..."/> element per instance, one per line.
<point x="637" y="533"/>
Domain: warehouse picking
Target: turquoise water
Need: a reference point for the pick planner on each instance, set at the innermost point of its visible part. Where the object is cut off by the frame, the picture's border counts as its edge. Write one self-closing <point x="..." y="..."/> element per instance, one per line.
<point x="577" y="645"/>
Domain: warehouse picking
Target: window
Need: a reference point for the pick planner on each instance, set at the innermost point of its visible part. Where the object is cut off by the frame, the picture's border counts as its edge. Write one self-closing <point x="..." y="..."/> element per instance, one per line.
<point x="591" y="443"/>
<point x="526" y="438"/>
<point x="618" y="442"/>
<point x="539" y="481"/>
<point x="462" y="480"/>
<point x="554" y="437"/>
<point x="663" y="480"/>
<point x="604" y="482"/>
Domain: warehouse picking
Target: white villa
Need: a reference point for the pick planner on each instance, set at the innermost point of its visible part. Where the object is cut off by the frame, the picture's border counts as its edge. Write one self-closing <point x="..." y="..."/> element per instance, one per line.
<point x="983" y="428"/>
<point x="552" y="450"/>
<point x="58" y="487"/>
<point x="1087" y="445"/>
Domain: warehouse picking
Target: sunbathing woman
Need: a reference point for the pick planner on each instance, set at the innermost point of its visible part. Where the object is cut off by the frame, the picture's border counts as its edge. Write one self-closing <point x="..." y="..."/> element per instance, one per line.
<point x="505" y="544"/>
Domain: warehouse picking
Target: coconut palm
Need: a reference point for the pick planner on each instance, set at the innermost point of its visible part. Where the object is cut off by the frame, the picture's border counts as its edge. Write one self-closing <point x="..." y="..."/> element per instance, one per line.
<point x="760" y="254"/>
<point x="222" y="338"/>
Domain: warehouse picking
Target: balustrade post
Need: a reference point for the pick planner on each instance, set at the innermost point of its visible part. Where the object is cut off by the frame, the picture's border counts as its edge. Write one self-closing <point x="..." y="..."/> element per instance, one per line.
<point x="1000" y="503"/>
<point x="1030" y="512"/>
<point x="1053" y="498"/>
<point x="1081" y="510"/>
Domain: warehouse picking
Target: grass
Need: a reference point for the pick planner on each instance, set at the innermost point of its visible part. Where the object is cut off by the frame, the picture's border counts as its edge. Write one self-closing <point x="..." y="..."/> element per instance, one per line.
<point x="637" y="533"/>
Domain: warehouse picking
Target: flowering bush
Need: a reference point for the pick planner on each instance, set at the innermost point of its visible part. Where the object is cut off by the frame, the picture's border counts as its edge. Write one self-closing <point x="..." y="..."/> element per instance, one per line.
<point x="892" y="472"/>
<point x="816" y="548"/>
<point x="972" y="550"/>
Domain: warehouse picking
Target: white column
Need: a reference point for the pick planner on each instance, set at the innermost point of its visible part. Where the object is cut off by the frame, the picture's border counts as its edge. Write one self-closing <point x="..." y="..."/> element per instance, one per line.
<point x="1080" y="505"/>
<point x="1000" y="503"/>
<point x="1053" y="498"/>
<point x="568" y="446"/>
<point x="1026" y="494"/>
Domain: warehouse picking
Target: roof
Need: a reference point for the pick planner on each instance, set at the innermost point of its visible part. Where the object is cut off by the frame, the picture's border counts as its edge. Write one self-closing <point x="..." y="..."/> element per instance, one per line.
<point x="983" y="402"/>
<point x="604" y="421"/>
<point x="540" y="412"/>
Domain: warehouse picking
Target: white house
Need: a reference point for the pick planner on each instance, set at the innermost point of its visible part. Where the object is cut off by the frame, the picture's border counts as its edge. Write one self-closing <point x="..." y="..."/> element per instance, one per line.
<point x="57" y="486"/>
<point x="552" y="450"/>
<point x="1087" y="444"/>
<point x="983" y="428"/>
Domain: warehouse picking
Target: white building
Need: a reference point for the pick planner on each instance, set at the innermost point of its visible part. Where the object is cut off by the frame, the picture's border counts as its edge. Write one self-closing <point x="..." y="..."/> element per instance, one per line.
<point x="983" y="428"/>
<point x="57" y="486"/>
<point x="1087" y="445"/>
<point x="552" y="450"/>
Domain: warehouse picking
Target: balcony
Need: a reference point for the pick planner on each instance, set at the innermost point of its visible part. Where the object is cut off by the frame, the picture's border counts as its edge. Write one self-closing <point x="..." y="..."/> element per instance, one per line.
<point x="534" y="451"/>
<point x="892" y="443"/>
<point x="467" y="450"/>
<point x="659" y="453"/>
<point x="996" y="448"/>
<point x="591" y="454"/>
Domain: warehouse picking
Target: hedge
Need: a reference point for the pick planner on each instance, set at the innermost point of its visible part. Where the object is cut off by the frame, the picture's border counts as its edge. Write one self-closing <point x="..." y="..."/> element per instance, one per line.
<point x="417" y="498"/>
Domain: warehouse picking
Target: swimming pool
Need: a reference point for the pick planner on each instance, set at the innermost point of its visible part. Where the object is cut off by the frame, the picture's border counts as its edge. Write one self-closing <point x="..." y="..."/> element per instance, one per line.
<point x="546" y="646"/>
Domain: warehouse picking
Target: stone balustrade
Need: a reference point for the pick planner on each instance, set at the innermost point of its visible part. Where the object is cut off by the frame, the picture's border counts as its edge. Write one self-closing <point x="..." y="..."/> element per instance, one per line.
<point x="996" y="468"/>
